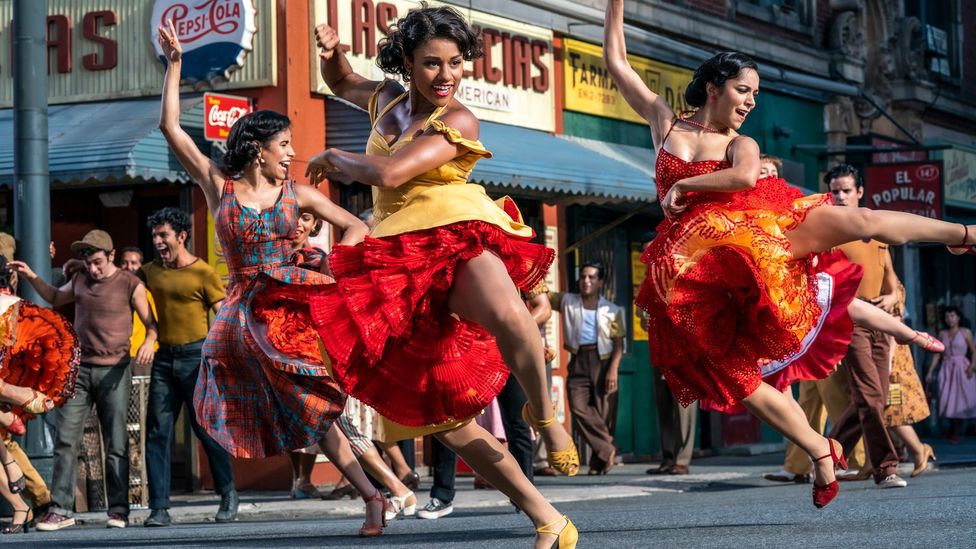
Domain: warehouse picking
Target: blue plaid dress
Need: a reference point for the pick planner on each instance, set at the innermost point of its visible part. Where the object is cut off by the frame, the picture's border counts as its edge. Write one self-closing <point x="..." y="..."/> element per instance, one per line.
<point x="253" y="400"/>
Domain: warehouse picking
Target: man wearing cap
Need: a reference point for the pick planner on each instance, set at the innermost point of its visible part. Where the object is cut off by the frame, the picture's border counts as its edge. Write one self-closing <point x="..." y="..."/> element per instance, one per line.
<point x="105" y="298"/>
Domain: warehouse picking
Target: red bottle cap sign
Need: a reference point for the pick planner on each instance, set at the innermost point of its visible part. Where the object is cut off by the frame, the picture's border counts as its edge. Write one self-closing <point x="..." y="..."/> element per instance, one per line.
<point x="220" y="112"/>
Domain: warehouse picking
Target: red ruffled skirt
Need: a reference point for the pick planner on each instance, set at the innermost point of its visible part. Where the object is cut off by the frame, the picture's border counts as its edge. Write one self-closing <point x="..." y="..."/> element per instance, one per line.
<point x="386" y="328"/>
<point x="39" y="351"/>
<point x="729" y="306"/>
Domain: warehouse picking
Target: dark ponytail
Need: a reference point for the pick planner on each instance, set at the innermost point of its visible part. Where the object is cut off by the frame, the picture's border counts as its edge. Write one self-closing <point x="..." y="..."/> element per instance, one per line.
<point x="419" y="26"/>
<point x="716" y="71"/>
<point x="246" y="134"/>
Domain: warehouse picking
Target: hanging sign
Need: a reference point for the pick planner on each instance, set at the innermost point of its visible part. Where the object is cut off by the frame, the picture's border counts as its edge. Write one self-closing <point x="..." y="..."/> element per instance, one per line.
<point x="216" y="35"/>
<point x="914" y="187"/>
<point x="220" y="112"/>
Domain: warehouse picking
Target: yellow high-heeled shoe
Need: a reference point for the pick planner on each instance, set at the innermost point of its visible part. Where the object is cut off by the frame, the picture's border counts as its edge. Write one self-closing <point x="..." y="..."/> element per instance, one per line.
<point x="566" y="537"/>
<point x="36" y="404"/>
<point x="565" y="461"/>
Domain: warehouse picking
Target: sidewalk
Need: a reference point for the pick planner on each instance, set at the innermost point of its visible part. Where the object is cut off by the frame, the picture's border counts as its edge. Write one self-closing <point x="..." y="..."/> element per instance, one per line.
<point x="624" y="481"/>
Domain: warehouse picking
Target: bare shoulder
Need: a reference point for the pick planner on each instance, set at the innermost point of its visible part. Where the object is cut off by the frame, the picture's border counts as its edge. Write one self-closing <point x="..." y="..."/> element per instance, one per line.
<point x="388" y="91"/>
<point x="463" y="120"/>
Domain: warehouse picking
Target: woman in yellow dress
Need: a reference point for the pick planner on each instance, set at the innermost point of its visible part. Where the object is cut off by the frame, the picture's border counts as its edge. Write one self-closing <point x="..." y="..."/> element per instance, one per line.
<point x="425" y="321"/>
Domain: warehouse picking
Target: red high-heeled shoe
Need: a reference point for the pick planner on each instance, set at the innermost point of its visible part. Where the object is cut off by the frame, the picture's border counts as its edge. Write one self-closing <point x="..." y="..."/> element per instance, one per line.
<point x="368" y="531"/>
<point x="963" y="248"/>
<point x="822" y="495"/>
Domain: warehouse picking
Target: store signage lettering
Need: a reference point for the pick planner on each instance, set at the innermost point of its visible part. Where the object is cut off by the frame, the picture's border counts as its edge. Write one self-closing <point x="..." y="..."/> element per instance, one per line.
<point x="591" y="90"/>
<point x="216" y="35"/>
<point x="221" y="112"/>
<point x="61" y="44"/>
<point x="511" y="83"/>
<point x="521" y="64"/>
<point x="909" y="187"/>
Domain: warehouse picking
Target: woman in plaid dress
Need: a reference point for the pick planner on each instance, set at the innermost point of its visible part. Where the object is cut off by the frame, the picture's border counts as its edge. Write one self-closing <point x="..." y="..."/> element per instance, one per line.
<point x="253" y="400"/>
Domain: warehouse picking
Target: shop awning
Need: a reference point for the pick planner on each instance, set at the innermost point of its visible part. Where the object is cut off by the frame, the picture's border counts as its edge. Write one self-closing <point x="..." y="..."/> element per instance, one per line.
<point x="109" y="142"/>
<point x="534" y="162"/>
<point x="582" y="169"/>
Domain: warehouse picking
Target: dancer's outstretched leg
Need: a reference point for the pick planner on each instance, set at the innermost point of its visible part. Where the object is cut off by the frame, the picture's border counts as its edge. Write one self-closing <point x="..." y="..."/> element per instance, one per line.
<point x="875" y="318"/>
<point x="489" y="458"/>
<point x="483" y="292"/>
<point x="336" y="447"/>
<point x="827" y="227"/>
<point x="781" y="412"/>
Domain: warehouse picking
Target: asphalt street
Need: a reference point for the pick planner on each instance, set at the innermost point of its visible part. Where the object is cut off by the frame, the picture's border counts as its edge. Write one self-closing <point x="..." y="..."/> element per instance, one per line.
<point x="735" y="508"/>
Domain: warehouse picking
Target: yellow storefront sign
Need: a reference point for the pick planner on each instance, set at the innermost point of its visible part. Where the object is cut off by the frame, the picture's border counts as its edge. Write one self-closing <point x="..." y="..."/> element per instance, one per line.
<point x="638" y="271"/>
<point x="591" y="90"/>
<point x="511" y="84"/>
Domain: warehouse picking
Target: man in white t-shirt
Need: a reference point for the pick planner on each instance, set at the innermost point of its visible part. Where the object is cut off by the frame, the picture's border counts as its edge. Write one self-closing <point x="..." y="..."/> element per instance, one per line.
<point x="593" y="331"/>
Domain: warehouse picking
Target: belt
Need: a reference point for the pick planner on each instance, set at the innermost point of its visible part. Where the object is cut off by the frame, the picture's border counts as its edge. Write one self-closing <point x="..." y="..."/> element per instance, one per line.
<point x="591" y="347"/>
<point x="182" y="347"/>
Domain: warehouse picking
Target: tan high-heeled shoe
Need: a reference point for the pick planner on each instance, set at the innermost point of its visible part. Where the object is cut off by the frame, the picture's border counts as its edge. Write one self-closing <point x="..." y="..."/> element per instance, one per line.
<point x="566" y="537"/>
<point x="367" y="531"/>
<point x="36" y="404"/>
<point x="922" y="465"/>
<point x="566" y="461"/>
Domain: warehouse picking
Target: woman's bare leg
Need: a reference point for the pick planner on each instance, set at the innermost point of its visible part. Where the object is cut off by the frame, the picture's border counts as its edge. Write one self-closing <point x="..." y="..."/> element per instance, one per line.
<point x="484" y="293"/>
<point x="301" y="467"/>
<point x="336" y="447"/>
<point x="489" y="458"/>
<point x="910" y="438"/>
<point x="374" y="465"/>
<point x="875" y="318"/>
<point x="776" y="409"/>
<point x="826" y="227"/>
<point x="397" y="461"/>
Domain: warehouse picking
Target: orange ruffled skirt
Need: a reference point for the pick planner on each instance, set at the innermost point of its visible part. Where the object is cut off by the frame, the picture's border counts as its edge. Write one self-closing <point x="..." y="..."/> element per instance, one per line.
<point x="728" y="305"/>
<point x="38" y="350"/>
<point x="386" y="328"/>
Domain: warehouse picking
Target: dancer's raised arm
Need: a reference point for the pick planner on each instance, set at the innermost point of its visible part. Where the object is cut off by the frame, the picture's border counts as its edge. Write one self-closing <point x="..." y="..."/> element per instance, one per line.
<point x="202" y="170"/>
<point x="651" y="106"/>
<point x="338" y="73"/>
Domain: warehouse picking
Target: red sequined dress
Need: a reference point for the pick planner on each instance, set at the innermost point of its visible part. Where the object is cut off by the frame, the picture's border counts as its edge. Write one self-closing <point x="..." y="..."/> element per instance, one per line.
<point x="728" y="305"/>
<point x="385" y="326"/>
<point x="38" y="350"/>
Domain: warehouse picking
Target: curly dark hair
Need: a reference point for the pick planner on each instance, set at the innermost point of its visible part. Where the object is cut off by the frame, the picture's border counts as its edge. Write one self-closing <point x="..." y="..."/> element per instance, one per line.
<point x="716" y="71"/>
<point x="246" y="133"/>
<point x="843" y="170"/>
<point x="175" y="217"/>
<point x="421" y="25"/>
<point x="6" y="275"/>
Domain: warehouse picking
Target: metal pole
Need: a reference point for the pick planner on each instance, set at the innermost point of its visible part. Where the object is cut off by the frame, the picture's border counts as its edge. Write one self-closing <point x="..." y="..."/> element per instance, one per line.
<point x="32" y="198"/>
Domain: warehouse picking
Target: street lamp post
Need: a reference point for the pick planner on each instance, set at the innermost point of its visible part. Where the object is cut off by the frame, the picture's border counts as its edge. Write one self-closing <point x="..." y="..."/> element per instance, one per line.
<point x="32" y="198"/>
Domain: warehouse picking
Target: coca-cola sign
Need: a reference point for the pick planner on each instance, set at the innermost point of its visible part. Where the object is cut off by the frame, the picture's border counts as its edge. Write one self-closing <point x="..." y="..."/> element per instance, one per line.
<point x="216" y="35"/>
<point x="220" y="112"/>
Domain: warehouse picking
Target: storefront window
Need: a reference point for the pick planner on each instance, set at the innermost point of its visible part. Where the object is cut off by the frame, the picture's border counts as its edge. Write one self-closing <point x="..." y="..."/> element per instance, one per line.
<point x="939" y="35"/>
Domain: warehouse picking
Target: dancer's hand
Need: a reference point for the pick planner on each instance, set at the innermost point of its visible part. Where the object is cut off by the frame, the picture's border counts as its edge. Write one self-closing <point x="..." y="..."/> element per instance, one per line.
<point x="327" y="39"/>
<point x="670" y="202"/>
<point x="170" y="42"/>
<point x="886" y="302"/>
<point x="320" y="167"/>
<point x="22" y="268"/>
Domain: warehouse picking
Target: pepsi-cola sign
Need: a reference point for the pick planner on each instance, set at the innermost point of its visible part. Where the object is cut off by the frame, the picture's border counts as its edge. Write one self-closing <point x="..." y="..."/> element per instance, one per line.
<point x="216" y="35"/>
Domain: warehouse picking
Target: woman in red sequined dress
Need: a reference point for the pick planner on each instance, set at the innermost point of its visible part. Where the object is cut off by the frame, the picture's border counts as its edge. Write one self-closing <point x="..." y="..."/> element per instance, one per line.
<point x="739" y="277"/>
